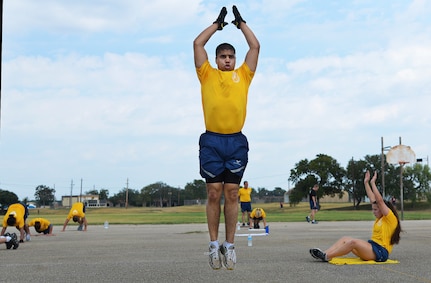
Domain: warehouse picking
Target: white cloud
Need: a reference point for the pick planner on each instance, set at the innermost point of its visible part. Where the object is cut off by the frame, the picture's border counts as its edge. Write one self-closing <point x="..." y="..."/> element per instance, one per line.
<point x="106" y="91"/>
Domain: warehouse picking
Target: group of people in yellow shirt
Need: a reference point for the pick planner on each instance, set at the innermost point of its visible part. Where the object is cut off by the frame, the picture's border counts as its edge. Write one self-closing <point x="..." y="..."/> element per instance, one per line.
<point x="16" y="216"/>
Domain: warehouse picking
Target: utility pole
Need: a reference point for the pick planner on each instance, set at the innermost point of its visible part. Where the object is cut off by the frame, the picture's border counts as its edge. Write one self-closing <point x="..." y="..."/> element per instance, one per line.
<point x="127" y="193"/>
<point x="382" y="157"/>
<point x="401" y="188"/>
<point x="80" y="194"/>
<point x="71" y="189"/>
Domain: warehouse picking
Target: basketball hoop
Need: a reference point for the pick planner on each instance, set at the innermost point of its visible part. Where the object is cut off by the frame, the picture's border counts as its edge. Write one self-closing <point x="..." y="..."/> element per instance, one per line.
<point x="401" y="154"/>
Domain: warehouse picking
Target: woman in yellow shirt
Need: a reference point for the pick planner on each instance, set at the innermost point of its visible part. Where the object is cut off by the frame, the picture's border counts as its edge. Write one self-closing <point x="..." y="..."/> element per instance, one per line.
<point x="386" y="231"/>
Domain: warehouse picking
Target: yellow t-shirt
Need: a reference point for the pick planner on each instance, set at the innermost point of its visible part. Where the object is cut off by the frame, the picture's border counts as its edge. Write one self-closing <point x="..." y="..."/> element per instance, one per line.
<point x="383" y="229"/>
<point x="44" y="224"/>
<point x="244" y="194"/>
<point x="77" y="209"/>
<point x="224" y="97"/>
<point x="18" y="210"/>
<point x="253" y="213"/>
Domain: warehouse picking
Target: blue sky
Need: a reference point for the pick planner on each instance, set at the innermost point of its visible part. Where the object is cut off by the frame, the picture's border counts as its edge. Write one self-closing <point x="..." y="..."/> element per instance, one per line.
<point x="106" y="91"/>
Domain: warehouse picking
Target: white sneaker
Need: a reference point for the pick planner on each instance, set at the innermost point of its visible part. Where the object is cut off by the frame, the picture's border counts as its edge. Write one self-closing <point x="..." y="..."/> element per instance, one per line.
<point x="228" y="257"/>
<point x="214" y="257"/>
<point x="27" y="237"/>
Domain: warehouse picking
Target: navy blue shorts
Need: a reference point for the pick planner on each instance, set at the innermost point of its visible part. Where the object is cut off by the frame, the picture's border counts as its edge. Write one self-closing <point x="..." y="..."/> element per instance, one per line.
<point x="46" y="231"/>
<point x="312" y="206"/>
<point x="219" y="153"/>
<point x="245" y="206"/>
<point x="25" y="210"/>
<point x="381" y="253"/>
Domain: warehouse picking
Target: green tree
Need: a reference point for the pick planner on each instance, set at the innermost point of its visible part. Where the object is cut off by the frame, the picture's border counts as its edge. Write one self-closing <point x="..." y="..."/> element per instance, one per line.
<point x="134" y="198"/>
<point x="44" y="195"/>
<point x="323" y="170"/>
<point x="355" y="181"/>
<point x="260" y="193"/>
<point x="103" y="193"/>
<point x="195" y="190"/>
<point x="7" y="198"/>
<point x="416" y="182"/>
<point x="158" y="194"/>
<point x="278" y="192"/>
<point x="92" y="192"/>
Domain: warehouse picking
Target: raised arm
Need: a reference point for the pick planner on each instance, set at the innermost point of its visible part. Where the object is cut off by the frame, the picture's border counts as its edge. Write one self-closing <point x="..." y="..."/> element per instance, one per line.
<point x="368" y="189"/>
<point x="378" y="197"/>
<point x="254" y="46"/>
<point x="373" y="193"/>
<point x="200" y="53"/>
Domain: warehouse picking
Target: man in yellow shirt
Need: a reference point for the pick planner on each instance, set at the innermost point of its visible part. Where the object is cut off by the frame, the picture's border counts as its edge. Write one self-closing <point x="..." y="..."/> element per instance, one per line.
<point x="223" y="148"/>
<point x="77" y="214"/>
<point x="16" y="215"/>
<point x="244" y="195"/>
<point x="257" y="215"/>
<point x="41" y="225"/>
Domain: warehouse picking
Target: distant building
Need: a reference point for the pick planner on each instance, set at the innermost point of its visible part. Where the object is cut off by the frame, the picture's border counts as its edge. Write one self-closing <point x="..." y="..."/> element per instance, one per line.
<point x="89" y="200"/>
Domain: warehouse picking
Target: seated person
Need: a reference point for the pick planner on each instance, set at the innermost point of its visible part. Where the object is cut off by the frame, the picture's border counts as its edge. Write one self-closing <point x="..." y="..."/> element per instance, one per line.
<point x="257" y="215"/>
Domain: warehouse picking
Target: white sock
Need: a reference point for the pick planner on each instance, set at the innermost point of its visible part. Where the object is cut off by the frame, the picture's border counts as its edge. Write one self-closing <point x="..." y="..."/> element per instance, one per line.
<point x="214" y="243"/>
<point x="227" y="245"/>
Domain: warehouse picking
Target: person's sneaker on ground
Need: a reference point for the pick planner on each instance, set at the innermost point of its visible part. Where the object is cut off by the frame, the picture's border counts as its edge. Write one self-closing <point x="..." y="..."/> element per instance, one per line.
<point x="228" y="256"/>
<point x="318" y="254"/>
<point x="314" y="222"/>
<point x="307" y="218"/>
<point x="8" y="244"/>
<point x="214" y="257"/>
<point x="27" y="237"/>
<point x="14" y="241"/>
<point x="312" y="254"/>
<point x="243" y="224"/>
<point x="80" y="227"/>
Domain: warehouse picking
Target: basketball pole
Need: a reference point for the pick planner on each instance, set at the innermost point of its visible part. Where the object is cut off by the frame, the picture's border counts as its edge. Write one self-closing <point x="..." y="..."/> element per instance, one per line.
<point x="402" y="190"/>
<point x="401" y="187"/>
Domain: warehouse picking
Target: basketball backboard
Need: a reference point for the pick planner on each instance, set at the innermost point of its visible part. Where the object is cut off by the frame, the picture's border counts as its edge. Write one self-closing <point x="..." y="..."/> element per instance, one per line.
<point x="401" y="154"/>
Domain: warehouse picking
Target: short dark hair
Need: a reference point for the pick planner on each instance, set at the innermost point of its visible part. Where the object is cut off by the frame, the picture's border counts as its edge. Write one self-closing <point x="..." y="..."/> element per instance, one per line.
<point x="11" y="221"/>
<point x="75" y="218"/>
<point x="37" y="225"/>
<point x="224" y="46"/>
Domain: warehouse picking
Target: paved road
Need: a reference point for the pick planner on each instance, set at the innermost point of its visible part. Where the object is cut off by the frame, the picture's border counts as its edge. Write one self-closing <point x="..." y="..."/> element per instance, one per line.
<point x="175" y="253"/>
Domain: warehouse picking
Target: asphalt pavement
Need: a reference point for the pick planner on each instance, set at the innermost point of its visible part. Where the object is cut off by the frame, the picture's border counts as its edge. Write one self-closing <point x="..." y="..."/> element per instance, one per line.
<point x="176" y="253"/>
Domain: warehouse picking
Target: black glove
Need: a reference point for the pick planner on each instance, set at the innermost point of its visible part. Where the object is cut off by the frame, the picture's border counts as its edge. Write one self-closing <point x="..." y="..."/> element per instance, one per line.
<point x="238" y="19"/>
<point x="220" y="20"/>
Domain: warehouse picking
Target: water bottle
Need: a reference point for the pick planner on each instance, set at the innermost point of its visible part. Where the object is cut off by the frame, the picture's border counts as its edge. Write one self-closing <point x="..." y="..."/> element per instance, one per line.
<point x="106" y="225"/>
<point x="249" y="240"/>
<point x="238" y="226"/>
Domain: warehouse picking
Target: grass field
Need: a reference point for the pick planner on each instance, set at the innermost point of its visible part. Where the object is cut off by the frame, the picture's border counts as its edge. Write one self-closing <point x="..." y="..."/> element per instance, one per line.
<point x="196" y="214"/>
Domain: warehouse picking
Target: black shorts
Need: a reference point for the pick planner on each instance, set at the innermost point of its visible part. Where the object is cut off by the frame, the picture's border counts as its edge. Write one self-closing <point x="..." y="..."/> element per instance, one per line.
<point x="225" y="177"/>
